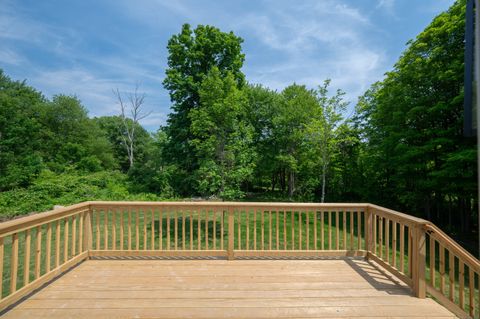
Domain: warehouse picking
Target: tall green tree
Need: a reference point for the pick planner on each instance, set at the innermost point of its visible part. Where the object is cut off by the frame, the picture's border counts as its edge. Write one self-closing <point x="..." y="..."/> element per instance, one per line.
<point x="20" y="155"/>
<point x="414" y="126"/>
<point x="322" y="135"/>
<point x="222" y="137"/>
<point x="192" y="54"/>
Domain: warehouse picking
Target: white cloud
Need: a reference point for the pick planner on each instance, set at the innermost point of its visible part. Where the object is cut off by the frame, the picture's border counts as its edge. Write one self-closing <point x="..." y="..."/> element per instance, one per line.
<point x="313" y="42"/>
<point x="388" y="5"/>
<point x="9" y="56"/>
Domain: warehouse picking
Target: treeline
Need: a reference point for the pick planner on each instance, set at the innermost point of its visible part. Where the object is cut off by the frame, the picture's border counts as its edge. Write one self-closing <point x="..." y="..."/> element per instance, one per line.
<point x="228" y="139"/>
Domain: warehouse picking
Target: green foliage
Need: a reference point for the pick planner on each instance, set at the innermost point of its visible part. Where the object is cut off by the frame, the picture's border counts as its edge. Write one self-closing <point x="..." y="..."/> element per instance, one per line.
<point x="192" y="54"/>
<point x="114" y="130"/>
<point x="67" y="188"/>
<point x="415" y="151"/>
<point x="222" y="137"/>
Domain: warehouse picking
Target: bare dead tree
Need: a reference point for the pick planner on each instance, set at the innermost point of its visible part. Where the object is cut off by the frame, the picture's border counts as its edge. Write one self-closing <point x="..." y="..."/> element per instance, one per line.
<point x="133" y="105"/>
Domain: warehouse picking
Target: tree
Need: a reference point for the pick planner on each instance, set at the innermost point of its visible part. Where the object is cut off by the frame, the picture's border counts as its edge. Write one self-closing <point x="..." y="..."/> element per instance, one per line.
<point x="414" y="119"/>
<point x="20" y="158"/>
<point x="133" y="105"/>
<point x="114" y="129"/>
<point x="192" y="54"/>
<point x="222" y="137"/>
<point x="298" y="107"/>
<point x="322" y="130"/>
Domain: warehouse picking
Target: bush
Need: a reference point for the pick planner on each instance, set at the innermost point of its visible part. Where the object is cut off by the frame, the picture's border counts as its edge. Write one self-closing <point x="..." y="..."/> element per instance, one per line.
<point x="68" y="188"/>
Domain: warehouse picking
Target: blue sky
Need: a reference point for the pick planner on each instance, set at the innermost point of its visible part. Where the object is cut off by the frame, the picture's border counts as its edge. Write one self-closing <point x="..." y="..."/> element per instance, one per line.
<point x="89" y="47"/>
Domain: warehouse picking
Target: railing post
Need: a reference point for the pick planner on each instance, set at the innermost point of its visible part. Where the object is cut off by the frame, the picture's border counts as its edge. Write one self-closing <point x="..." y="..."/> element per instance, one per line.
<point x="88" y="234"/>
<point x="419" y="261"/>
<point x="368" y="231"/>
<point x="230" y="233"/>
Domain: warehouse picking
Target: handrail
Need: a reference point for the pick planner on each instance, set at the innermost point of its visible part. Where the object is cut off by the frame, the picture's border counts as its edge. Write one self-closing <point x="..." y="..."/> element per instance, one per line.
<point x="413" y="249"/>
<point x="453" y="245"/>
<point x="17" y="224"/>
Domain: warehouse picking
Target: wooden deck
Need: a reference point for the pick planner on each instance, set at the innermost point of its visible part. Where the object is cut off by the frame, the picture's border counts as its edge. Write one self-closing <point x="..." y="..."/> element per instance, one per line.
<point x="337" y="288"/>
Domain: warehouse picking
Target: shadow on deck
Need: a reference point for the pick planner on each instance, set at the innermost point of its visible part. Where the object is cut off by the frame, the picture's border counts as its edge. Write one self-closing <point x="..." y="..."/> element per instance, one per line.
<point x="334" y="288"/>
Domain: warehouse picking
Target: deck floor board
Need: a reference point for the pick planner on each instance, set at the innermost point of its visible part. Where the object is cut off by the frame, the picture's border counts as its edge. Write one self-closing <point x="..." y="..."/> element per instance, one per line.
<point x="227" y="289"/>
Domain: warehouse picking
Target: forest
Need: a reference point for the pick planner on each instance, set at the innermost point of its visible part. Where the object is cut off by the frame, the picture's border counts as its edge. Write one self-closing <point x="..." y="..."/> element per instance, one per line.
<point x="229" y="139"/>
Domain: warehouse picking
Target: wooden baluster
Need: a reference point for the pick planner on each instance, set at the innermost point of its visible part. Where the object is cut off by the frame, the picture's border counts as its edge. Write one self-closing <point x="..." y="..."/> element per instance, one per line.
<point x="38" y="252"/>
<point x="26" y="261"/>
<point x="394" y="244"/>
<point x="129" y="230"/>
<point x="65" y="239"/>
<point x="97" y="229"/>
<point x="461" y="284"/>
<point x="137" y="229"/>
<point x="206" y="227"/>
<point x="57" y="244"/>
<point x="432" y="261"/>
<point x="214" y="235"/>
<point x="315" y="244"/>
<point x="48" y="250"/>
<point x="374" y="239"/>
<point x="122" y="235"/>
<point x="278" y="231"/>
<point x="471" y="287"/>
<point x="307" y="229"/>
<point x="359" y="230"/>
<point x="292" y="228"/>
<point x="402" y="248"/>
<point x="199" y="231"/>
<point x="114" y="230"/>
<point x="191" y="230"/>
<point x="222" y="223"/>
<point x="351" y="230"/>
<point x="387" y="240"/>
<point x="337" y="230"/>
<point x="248" y="229"/>
<point x="230" y="234"/>
<point x="285" y="229"/>
<point x="263" y="229"/>
<point x="105" y="229"/>
<point x="145" y="231"/>
<point x="329" y="230"/>
<point x="329" y="214"/>
<point x="175" y="216"/>
<point x="14" y="264"/>
<point x="322" y="230"/>
<point x="344" y="221"/>
<point x="80" y="233"/>
<point x="183" y="229"/>
<point x="442" y="269"/>
<point x="451" y="274"/>
<point x="152" y="229"/>
<point x="380" y="239"/>
<point x="255" y="229"/>
<point x="269" y="230"/>
<point x="167" y="212"/>
<point x="300" y="230"/>
<point x="2" y="252"/>
<point x="74" y="235"/>
<point x="409" y="251"/>
<point x="239" y="229"/>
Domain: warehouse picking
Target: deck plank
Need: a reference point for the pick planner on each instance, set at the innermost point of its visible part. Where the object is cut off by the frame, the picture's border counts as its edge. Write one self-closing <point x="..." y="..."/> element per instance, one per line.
<point x="227" y="289"/>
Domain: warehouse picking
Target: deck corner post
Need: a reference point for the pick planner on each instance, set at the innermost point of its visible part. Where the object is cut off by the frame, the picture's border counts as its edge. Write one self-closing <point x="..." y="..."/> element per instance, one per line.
<point x="419" y="262"/>
<point x="88" y="235"/>
<point x="230" y="233"/>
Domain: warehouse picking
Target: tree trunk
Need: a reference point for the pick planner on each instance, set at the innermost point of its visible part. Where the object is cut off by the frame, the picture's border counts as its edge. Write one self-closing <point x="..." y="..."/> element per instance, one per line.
<point x="291" y="184"/>
<point x="324" y="172"/>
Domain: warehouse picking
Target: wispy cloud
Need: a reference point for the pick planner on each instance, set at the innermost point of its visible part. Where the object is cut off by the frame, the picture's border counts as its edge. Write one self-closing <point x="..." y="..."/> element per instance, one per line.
<point x="87" y="52"/>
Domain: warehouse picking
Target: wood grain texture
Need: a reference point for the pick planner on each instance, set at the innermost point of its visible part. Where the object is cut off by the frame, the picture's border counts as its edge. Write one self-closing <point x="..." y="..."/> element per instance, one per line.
<point x="226" y="289"/>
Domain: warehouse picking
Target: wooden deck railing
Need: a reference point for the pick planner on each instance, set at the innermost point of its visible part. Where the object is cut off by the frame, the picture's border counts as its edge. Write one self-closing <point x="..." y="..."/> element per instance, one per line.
<point x="35" y="249"/>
